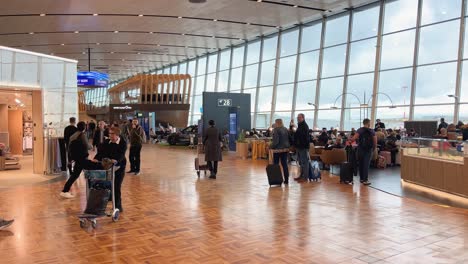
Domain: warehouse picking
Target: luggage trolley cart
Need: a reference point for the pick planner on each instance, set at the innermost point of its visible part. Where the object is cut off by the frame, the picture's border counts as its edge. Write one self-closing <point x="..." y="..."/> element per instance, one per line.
<point x="106" y="178"/>
<point x="200" y="163"/>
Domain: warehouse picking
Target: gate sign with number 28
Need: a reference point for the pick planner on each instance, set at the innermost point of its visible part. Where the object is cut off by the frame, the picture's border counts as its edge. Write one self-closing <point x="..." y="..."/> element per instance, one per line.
<point x="224" y="102"/>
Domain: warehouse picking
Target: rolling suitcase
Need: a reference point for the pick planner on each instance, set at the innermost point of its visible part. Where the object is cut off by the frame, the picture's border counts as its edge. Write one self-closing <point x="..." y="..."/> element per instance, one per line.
<point x="346" y="173"/>
<point x="275" y="177"/>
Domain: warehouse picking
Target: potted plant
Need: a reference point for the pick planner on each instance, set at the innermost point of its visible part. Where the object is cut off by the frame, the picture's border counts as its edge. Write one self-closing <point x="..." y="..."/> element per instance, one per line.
<point x="242" y="146"/>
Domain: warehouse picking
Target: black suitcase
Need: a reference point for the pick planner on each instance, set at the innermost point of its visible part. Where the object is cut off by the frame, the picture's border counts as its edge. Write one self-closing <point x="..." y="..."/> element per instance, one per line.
<point x="275" y="177"/>
<point x="346" y="173"/>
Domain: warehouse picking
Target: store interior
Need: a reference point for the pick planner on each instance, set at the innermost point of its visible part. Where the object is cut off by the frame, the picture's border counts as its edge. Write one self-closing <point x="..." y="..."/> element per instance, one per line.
<point x="16" y="140"/>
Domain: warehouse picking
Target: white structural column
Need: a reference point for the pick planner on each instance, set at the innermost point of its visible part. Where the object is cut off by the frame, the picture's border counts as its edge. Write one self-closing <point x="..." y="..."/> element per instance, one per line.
<point x="296" y="74"/>
<point x="230" y="70"/>
<point x="319" y="72"/>
<point x="194" y="89"/>
<point x="275" y="80"/>
<point x="217" y="70"/>
<point x="460" y="62"/>
<point x="346" y="71"/>
<point x="378" y="56"/>
<point x="259" y="75"/>
<point x="415" y="60"/>
<point x="244" y="62"/>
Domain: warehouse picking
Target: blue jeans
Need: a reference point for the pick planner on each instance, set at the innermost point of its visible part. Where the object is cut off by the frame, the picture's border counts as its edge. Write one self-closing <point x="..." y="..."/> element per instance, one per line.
<point x="364" y="163"/>
<point x="283" y="156"/>
<point x="303" y="158"/>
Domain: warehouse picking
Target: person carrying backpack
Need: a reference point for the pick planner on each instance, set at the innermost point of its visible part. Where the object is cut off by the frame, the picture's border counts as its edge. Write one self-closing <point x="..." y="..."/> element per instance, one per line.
<point x="367" y="144"/>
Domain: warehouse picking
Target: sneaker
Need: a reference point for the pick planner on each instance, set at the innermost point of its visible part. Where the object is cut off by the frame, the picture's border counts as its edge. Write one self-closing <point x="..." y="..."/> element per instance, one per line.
<point x="5" y="223"/>
<point x="137" y="173"/>
<point x="367" y="183"/>
<point x="67" y="195"/>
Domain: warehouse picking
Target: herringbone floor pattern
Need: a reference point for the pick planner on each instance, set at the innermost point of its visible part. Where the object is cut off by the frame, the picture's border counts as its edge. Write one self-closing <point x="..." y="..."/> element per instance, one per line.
<point x="173" y="217"/>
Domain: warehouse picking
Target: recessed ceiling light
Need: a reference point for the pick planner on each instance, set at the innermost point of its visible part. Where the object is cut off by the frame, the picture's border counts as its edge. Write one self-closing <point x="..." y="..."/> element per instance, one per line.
<point x="140" y="15"/>
<point x="98" y="43"/>
<point x="31" y="33"/>
<point x="95" y="14"/>
<point x="179" y="17"/>
<point x="159" y="45"/>
<point x="62" y="44"/>
<point x="112" y="52"/>
<point x="248" y="23"/>
<point x="77" y="31"/>
<point x="129" y="44"/>
<point x="42" y="14"/>
<point x="183" y="34"/>
<point x="295" y="6"/>
<point x="116" y="31"/>
<point x="151" y="32"/>
<point x="259" y="1"/>
<point x="215" y="20"/>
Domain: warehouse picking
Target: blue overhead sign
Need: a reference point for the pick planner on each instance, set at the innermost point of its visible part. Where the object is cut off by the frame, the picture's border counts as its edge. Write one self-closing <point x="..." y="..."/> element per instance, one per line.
<point x="96" y="79"/>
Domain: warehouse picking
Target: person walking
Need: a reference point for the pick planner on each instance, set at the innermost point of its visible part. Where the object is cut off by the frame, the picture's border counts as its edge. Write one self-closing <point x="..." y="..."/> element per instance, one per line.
<point x="5" y="223"/>
<point x="114" y="148"/>
<point x="100" y="135"/>
<point x="137" y="137"/>
<point x="302" y="145"/>
<point x="213" y="153"/>
<point x="67" y="133"/>
<point x="280" y="147"/>
<point x="367" y="145"/>
<point x="78" y="148"/>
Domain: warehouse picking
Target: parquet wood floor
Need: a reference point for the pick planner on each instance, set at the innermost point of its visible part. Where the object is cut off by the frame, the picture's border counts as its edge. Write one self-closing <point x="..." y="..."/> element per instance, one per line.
<point x="173" y="217"/>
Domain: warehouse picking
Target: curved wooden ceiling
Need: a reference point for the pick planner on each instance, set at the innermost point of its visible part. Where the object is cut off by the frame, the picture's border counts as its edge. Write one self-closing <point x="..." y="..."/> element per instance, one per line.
<point x="128" y="37"/>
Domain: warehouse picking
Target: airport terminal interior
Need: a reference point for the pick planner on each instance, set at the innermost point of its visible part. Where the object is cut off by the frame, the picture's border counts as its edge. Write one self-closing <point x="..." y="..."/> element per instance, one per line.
<point x="234" y="131"/>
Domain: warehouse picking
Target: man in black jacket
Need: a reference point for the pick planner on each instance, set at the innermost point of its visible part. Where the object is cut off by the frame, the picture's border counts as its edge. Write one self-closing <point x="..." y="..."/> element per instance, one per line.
<point x="67" y="133"/>
<point x="302" y="144"/>
<point x="100" y="135"/>
<point x="114" y="148"/>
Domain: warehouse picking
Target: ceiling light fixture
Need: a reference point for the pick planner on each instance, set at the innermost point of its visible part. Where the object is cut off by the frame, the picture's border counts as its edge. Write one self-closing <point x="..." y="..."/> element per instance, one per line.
<point x="62" y="44"/>
<point x="76" y="32"/>
<point x="151" y="32"/>
<point x="179" y="17"/>
<point x="295" y="6"/>
<point x="140" y="15"/>
<point x="98" y="43"/>
<point x="116" y="31"/>
<point x="259" y="1"/>
<point x="129" y="44"/>
<point x="42" y="15"/>
<point x="95" y="14"/>
<point x="31" y="33"/>
<point x="111" y="52"/>
<point x="215" y="20"/>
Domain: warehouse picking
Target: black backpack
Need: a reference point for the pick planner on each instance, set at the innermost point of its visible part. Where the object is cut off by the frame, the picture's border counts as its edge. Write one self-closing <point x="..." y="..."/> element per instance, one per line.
<point x="366" y="140"/>
<point x="75" y="149"/>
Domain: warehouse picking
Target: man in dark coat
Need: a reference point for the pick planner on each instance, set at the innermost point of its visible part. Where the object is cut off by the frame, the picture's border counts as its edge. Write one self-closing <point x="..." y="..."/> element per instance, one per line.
<point x="114" y="148"/>
<point x="212" y="142"/>
<point x="100" y="135"/>
<point x="67" y="133"/>
<point x="302" y="144"/>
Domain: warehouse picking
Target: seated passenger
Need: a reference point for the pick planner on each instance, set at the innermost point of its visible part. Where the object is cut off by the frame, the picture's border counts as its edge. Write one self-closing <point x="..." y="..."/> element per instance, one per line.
<point x="337" y="145"/>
